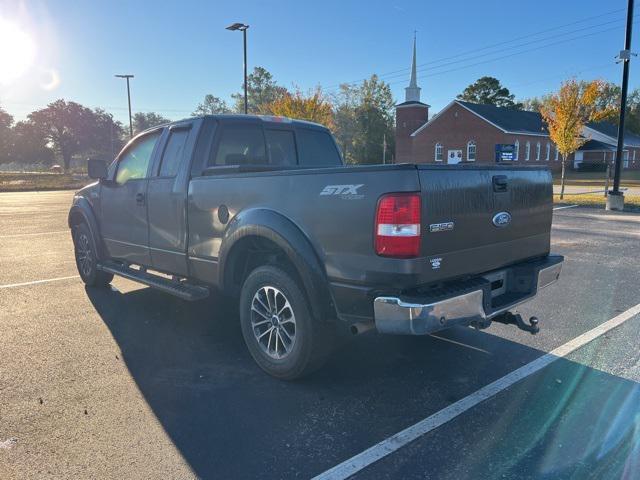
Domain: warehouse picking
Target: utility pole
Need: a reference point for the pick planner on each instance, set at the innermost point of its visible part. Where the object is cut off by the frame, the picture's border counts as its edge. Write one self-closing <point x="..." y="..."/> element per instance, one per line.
<point x="615" y="199"/>
<point x="244" y="62"/>
<point x="243" y="28"/>
<point x="384" y="148"/>
<point x="127" y="77"/>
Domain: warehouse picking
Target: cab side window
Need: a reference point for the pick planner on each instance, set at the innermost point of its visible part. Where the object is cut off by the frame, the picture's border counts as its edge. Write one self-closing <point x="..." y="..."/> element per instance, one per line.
<point x="317" y="148"/>
<point x="240" y="145"/>
<point x="134" y="162"/>
<point x="174" y="152"/>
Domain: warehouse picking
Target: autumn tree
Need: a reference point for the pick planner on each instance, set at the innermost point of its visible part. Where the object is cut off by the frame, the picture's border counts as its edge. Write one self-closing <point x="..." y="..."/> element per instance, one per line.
<point x="489" y="91"/>
<point x="211" y="105"/>
<point x="566" y="113"/>
<point x="610" y="99"/>
<point x="142" y="121"/>
<point x="312" y="106"/>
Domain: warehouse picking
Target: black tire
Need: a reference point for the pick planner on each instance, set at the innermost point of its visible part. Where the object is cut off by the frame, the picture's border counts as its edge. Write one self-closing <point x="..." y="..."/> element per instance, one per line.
<point x="87" y="259"/>
<point x="311" y="342"/>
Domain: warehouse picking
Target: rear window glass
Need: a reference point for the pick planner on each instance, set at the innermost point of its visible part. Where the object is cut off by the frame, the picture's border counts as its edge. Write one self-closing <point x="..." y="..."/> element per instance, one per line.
<point x="173" y="153"/>
<point x="317" y="148"/>
<point x="281" y="146"/>
<point x="240" y="145"/>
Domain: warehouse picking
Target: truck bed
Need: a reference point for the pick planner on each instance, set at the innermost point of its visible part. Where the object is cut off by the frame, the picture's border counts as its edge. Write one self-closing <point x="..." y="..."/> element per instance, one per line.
<point x="340" y="223"/>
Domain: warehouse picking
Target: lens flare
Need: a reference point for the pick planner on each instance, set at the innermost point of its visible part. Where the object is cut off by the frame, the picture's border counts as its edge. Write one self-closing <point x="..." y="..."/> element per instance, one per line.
<point x="17" y="52"/>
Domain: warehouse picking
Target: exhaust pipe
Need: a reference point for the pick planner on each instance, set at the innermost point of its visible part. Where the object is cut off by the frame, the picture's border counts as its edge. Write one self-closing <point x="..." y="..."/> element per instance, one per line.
<point x="361" y="327"/>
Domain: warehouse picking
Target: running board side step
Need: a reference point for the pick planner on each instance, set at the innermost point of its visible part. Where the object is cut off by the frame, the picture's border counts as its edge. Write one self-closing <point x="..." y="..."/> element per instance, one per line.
<point x="181" y="290"/>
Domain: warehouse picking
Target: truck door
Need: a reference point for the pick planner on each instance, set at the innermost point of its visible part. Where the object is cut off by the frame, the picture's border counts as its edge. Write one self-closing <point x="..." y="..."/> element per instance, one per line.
<point x="167" y="199"/>
<point x="124" y="224"/>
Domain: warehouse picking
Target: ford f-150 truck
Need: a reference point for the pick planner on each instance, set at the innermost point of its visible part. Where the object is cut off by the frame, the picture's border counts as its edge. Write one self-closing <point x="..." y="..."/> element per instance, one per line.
<point x="263" y="209"/>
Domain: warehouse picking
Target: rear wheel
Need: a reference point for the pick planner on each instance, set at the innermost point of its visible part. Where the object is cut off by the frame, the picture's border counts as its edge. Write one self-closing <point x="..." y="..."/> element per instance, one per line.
<point x="281" y="334"/>
<point x="86" y="258"/>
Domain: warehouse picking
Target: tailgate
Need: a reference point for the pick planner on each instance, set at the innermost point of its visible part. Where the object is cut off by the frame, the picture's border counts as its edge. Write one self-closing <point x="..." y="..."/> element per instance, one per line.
<point x="481" y="218"/>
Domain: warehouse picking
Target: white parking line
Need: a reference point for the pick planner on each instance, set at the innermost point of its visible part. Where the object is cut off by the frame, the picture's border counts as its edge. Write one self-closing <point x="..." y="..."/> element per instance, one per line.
<point x="14" y="235"/>
<point x="565" y="206"/>
<point x="380" y="450"/>
<point x="35" y="282"/>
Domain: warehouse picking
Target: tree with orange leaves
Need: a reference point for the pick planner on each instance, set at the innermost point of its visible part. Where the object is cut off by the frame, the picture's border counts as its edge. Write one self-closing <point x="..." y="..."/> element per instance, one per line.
<point x="566" y="113"/>
<point x="313" y="107"/>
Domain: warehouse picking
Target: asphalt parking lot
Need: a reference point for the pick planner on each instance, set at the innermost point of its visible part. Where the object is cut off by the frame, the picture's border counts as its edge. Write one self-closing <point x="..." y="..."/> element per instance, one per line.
<point x="132" y="383"/>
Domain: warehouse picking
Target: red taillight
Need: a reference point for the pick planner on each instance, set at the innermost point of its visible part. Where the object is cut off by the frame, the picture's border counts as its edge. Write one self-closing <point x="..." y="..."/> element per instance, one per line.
<point x="398" y="225"/>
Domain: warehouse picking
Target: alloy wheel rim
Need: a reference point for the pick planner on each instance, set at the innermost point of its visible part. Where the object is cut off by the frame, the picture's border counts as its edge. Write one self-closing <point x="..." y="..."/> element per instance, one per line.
<point x="84" y="254"/>
<point x="273" y="322"/>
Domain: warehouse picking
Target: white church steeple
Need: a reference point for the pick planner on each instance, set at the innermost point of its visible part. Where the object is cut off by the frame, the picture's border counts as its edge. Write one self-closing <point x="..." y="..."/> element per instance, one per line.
<point x="412" y="92"/>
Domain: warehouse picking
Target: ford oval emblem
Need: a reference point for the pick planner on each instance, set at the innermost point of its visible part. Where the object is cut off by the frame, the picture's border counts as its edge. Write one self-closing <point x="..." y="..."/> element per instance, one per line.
<point x="502" y="219"/>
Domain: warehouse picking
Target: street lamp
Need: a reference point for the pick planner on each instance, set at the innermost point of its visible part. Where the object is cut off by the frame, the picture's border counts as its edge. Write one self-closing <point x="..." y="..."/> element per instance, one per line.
<point x="127" y="77"/>
<point x="615" y="198"/>
<point x="243" y="28"/>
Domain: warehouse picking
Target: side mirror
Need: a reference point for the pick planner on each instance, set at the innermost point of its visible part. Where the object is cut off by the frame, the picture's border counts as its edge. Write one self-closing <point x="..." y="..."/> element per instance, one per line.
<point x="97" y="169"/>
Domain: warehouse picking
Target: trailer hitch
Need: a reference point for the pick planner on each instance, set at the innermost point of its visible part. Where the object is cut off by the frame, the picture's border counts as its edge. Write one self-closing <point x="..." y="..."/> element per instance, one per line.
<point x="516" y="319"/>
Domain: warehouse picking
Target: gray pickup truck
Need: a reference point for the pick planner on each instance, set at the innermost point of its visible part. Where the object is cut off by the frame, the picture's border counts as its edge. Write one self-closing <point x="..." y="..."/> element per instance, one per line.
<point x="263" y="209"/>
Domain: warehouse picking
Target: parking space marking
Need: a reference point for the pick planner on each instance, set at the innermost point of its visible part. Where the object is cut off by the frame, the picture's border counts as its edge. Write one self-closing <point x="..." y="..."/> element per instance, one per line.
<point x="565" y="206"/>
<point x="36" y="282"/>
<point x="362" y="460"/>
<point x="461" y="344"/>
<point x="16" y="235"/>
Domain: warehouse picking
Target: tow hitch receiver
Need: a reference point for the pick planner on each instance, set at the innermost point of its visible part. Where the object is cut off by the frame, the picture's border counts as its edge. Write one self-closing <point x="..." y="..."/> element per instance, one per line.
<point x="516" y="319"/>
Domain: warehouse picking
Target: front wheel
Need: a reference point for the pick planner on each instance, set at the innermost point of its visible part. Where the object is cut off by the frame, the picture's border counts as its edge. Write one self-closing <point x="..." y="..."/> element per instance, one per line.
<point x="87" y="259"/>
<point x="278" y="328"/>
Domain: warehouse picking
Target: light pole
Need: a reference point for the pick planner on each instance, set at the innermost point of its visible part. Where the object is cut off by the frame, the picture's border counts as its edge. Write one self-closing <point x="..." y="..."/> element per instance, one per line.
<point x="615" y="199"/>
<point x="127" y="77"/>
<point x="243" y="28"/>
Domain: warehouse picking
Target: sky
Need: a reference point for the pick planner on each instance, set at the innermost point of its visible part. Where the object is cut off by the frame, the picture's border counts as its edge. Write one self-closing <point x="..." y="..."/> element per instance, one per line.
<point x="180" y="51"/>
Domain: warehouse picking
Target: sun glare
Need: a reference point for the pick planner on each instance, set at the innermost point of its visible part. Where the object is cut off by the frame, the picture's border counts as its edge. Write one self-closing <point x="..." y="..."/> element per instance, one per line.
<point x="17" y="52"/>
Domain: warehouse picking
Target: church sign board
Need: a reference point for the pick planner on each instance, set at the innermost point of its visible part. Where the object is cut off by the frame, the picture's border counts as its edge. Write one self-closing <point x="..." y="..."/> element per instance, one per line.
<point x="505" y="152"/>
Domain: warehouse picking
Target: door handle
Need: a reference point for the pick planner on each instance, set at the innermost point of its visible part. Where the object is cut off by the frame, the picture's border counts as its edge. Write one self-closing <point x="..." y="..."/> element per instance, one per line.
<point x="140" y="197"/>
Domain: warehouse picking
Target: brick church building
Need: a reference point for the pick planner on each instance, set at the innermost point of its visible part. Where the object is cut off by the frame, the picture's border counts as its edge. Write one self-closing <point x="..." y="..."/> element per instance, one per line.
<point x="470" y="132"/>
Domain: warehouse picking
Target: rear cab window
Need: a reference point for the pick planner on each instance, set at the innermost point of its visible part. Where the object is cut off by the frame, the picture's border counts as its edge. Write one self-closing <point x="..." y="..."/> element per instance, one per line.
<point x="317" y="148"/>
<point x="281" y="146"/>
<point x="240" y="144"/>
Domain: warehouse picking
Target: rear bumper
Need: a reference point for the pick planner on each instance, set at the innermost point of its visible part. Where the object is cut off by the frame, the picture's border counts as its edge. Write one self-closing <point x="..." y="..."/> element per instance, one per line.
<point x="478" y="300"/>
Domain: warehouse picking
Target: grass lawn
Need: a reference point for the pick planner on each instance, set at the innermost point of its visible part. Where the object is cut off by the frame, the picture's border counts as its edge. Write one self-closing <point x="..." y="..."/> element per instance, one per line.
<point x="628" y="178"/>
<point x="20" y="182"/>
<point x="631" y="202"/>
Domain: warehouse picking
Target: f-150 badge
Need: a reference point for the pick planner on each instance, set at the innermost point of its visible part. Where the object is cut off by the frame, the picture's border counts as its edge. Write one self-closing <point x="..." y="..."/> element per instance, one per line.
<point x="441" y="227"/>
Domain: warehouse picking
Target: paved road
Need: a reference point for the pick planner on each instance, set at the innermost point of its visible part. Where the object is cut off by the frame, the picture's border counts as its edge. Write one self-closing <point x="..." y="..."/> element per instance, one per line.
<point x="130" y="383"/>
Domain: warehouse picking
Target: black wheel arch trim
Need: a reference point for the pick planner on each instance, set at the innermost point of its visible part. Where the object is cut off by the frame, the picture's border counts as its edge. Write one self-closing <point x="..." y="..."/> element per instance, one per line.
<point x="290" y="238"/>
<point x="82" y="207"/>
